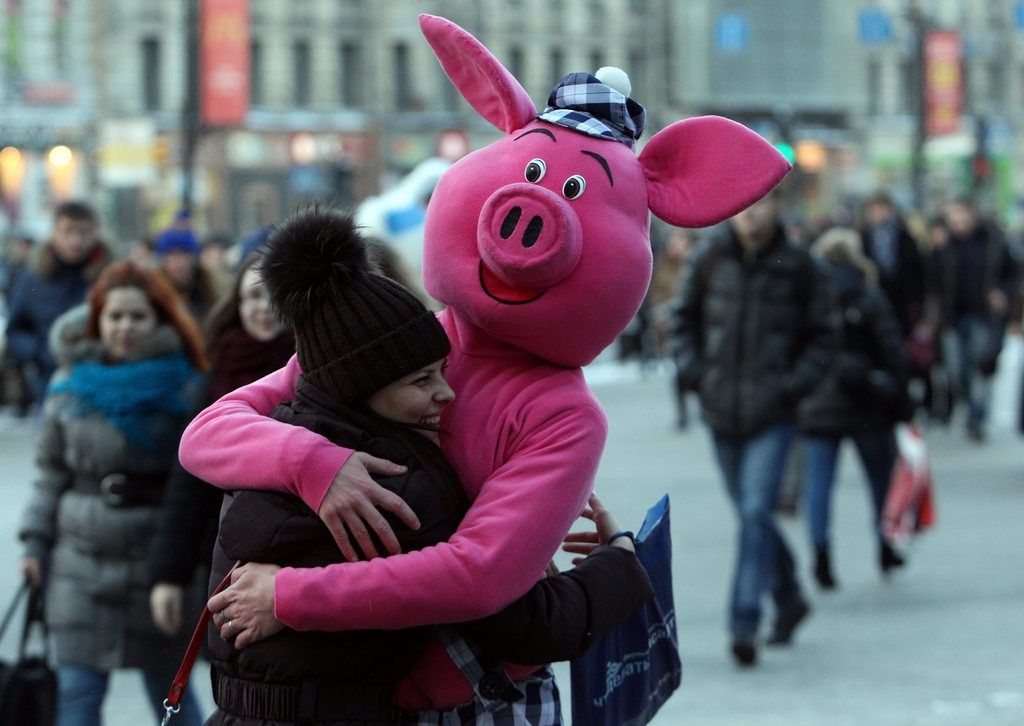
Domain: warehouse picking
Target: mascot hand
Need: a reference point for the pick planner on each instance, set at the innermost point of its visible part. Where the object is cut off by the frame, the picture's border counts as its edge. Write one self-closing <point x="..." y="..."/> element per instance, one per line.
<point x="349" y="509"/>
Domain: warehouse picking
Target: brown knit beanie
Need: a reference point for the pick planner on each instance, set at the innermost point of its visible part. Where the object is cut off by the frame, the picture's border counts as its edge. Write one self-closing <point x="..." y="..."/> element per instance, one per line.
<point x="356" y="331"/>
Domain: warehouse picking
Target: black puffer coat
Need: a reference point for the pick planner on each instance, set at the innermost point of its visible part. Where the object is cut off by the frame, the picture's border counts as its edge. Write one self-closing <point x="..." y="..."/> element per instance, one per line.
<point x="754" y="333"/>
<point x="866" y="387"/>
<point x="351" y="676"/>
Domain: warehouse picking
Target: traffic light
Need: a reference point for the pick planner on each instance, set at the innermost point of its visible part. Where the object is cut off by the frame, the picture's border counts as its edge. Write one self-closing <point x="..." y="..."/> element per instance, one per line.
<point x="981" y="168"/>
<point x="787" y="151"/>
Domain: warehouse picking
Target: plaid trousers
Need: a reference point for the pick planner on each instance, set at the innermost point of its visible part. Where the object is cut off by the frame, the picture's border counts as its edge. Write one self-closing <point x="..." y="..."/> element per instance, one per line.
<point x="533" y="701"/>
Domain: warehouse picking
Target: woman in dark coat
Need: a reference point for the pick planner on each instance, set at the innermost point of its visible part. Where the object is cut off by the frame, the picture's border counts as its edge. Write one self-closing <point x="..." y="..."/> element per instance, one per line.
<point x="373" y="359"/>
<point x="860" y="399"/>
<point x="244" y="342"/>
<point x="112" y="420"/>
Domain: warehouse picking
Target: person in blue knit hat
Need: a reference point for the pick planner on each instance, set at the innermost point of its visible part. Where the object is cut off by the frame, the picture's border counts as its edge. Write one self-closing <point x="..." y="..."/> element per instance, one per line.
<point x="177" y="250"/>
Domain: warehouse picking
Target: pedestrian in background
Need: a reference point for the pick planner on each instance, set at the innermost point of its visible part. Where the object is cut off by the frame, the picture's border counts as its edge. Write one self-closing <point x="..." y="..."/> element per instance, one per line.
<point x="109" y="438"/>
<point x="894" y="251"/>
<point x="755" y="331"/>
<point x="244" y="342"/>
<point x="14" y="380"/>
<point x="976" y="277"/>
<point x="666" y="282"/>
<point x="177" y="251"/>
<point x="56" y="280"/>
<point x="15" y="259"/>
<point x="860" y="399"/>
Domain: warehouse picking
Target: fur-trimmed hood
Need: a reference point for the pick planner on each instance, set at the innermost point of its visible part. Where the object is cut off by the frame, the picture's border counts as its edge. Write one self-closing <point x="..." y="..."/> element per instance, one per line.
<point x="45" y="263"/>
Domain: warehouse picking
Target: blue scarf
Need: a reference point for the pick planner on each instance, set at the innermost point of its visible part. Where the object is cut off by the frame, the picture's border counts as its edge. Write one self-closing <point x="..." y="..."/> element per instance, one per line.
<point x="137" y="397"/>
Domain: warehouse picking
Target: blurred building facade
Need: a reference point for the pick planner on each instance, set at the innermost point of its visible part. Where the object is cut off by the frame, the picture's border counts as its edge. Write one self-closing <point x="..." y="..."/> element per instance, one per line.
<point x="345" y="95"/>
<point x="838" y="80"/>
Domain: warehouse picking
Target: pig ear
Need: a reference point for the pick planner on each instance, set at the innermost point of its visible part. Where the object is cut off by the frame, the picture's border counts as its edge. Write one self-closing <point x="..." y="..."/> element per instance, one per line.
<point x="703" y="170"/>
<point x="481" y="79"/>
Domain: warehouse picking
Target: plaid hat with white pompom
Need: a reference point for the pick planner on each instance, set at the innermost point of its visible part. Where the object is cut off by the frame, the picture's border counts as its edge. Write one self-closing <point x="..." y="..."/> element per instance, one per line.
<point x="584" y="102"/>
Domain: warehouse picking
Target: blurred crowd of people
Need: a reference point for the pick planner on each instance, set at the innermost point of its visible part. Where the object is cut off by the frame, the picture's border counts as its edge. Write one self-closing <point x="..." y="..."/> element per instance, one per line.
<point x="116" y="357"/>
<point x="953" y="283"/>
<point x="796" y="340"/>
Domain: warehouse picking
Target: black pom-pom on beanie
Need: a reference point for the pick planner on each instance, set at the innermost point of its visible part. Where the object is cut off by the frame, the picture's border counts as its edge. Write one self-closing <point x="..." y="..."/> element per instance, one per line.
<point x="355" y="331"/>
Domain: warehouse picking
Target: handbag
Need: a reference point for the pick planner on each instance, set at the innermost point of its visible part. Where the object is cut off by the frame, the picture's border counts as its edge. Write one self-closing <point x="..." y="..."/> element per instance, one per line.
<point x="910" y="502"/>
<point x="624" y="678"/>
<point x="28" y="687"/>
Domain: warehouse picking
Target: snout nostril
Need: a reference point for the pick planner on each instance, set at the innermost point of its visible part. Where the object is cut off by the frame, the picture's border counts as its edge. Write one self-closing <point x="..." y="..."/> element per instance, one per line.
<point x="511" y="220"/>
<point x="532" y="233"/>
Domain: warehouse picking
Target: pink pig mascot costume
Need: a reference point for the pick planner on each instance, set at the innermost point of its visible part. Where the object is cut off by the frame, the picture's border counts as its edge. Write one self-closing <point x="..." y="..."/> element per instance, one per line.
<point x="538" y="245"/>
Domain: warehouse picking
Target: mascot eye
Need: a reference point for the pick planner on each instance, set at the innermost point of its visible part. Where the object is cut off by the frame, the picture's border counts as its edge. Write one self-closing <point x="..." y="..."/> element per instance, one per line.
<point x="536" y="170"/>
<point x="574" y="187"/>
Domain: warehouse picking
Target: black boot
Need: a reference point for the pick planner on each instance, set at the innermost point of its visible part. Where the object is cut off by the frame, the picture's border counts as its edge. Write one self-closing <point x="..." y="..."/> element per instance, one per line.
<point x="823" y="569"/>
<point x="744" y="649"/>
<point x="888" y="558"/>
<point x="786" y="622"/>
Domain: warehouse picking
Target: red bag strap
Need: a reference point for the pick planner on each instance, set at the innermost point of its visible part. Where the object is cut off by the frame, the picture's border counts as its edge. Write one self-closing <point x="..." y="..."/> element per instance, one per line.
<point x="189" y="661"/>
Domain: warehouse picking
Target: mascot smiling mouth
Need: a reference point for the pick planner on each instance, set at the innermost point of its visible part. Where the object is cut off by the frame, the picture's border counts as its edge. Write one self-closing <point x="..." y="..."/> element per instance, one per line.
<point x="498" y="290"/>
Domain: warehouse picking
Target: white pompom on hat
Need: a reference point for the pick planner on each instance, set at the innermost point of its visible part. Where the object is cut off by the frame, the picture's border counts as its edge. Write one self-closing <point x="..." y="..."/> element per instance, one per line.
<point x="615" y="78"/>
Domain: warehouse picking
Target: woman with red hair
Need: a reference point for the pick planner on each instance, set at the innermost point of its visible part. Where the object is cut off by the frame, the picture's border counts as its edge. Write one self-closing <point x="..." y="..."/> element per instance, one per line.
<point x="130" y="378"/>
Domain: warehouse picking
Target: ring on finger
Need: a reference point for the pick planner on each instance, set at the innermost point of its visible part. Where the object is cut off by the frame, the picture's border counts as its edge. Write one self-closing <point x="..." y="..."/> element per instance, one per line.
<point x="230" y="626"/>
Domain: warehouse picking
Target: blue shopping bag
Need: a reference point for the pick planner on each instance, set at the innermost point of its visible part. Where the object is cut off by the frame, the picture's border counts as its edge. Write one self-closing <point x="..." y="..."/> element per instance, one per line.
<point x="629" y="674"/>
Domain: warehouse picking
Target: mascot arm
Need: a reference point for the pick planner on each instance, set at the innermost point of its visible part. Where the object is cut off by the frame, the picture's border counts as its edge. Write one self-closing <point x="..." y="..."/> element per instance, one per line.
<point x="500" y="550"/>
<point x="234" y="444"/>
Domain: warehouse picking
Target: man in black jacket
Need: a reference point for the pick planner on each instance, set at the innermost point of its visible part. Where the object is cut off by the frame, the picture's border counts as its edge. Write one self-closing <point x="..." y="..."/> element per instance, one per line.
<point x="976" y="277"/>
<point x="755" y="330"/>
<point x="889" y="245"/>
<point x="57" y="278"/>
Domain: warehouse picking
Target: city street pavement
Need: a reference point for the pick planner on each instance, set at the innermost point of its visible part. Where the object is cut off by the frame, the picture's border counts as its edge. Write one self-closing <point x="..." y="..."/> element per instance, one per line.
<point x="942" y="642"/>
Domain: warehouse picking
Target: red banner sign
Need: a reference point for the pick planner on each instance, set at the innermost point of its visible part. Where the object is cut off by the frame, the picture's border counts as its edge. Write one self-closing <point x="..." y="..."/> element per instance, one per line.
<point x="224" y="61"/>
<point x="944" y="83"/>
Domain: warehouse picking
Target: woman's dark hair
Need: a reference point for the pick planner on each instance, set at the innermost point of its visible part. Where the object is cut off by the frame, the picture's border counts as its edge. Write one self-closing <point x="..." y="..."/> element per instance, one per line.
<point x="224" y="315"/>
<point x="169" y="306"/>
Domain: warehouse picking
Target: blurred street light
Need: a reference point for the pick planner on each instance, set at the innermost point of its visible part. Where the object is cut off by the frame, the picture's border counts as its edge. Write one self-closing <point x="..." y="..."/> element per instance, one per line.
<point x="60" y="156"/>
<point x="12" y="173"/>
<point x="62" y="171"/>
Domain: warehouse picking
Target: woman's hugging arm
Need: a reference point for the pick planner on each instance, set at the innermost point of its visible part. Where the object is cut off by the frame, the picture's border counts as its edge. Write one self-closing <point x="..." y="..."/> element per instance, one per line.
<point x="562" y="616"/>
<point x="500" y="550"/>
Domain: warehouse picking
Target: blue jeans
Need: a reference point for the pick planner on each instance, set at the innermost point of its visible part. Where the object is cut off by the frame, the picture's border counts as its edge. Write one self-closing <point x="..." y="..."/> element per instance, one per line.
<point x="975" y="339"/>
<point x="752" y="467"/>
<point x="877" y="450"/>
<point x="81" y="690"/>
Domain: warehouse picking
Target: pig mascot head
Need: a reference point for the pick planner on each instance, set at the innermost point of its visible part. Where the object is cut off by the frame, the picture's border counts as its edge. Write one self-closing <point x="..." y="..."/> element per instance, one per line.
<point x="541" y="238"/>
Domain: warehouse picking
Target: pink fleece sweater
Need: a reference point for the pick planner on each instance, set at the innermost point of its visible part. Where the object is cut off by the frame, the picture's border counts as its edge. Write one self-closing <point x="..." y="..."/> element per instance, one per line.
<point x="525" y="437"/>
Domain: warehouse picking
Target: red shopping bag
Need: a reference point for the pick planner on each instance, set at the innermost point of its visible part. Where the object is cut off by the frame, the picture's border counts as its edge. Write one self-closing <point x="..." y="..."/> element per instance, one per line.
<point x="910" y="504"/>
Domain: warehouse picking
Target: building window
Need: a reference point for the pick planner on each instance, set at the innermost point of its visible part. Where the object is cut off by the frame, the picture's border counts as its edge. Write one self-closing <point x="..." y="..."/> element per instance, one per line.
<point x="403" y="83"/>
<point x="637" y="71"/>
<point x="516" y="63"/>
<point x="557" y="65"/>
<point x="151" y="74"/>
<point x="997" y="84"/>
<point x="351" y="74"/>
<point x="300" y="67"/>
<point x="874" y="79"/>
<point x="908" y="86"/>
<point x="256" y="73"/>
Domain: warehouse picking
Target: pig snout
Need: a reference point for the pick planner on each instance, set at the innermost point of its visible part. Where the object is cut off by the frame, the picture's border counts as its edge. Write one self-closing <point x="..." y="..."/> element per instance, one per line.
<point x="528" y="236"/>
